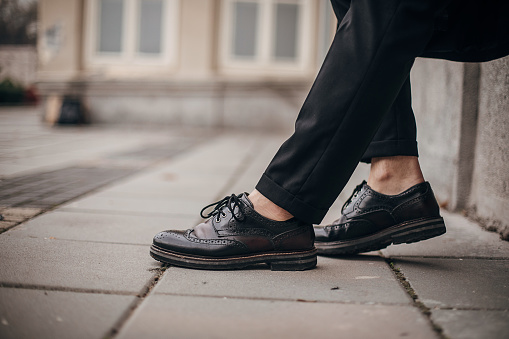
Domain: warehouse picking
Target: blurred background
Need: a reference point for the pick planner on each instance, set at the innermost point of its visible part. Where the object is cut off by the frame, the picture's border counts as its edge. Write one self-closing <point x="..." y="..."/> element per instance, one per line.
<point x="242" y="64"/>
<point x="203" y="63"/>
<point x="122" y="118"/>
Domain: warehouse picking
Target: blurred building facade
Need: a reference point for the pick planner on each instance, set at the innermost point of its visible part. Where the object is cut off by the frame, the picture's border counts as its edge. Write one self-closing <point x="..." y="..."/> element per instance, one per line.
<point x="242" y="63"/>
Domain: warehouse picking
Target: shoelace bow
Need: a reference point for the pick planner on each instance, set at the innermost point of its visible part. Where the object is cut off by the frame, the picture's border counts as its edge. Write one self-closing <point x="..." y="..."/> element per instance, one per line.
<point x="229" y="202"/>
<point x="354" y="195"/>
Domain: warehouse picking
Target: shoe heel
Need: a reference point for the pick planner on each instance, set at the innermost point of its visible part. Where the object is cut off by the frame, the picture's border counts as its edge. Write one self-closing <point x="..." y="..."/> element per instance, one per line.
<point x="293" y="265"/>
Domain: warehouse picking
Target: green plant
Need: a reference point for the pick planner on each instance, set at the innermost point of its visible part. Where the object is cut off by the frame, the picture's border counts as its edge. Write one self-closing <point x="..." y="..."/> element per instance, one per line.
<point x="11" y="92"/>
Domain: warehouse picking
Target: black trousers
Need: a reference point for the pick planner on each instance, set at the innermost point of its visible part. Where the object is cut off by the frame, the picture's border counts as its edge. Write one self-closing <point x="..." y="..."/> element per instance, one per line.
<point x="359" y="106"/>
<point x="397" y="134"/>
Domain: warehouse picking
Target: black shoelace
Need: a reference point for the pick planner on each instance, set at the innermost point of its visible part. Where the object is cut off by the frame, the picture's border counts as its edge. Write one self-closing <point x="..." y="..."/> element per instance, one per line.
<point x="229" y="202"/>
<point x="354" y="195"/>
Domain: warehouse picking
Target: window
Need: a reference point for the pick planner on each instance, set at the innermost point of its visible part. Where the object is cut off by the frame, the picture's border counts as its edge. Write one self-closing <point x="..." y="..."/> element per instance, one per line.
<point x="245" y="30"/>
<point x="285" y="39"/>
<point x="266" y="34"/>
<point x="133" y="33"/>
<point x="111" y="17"/>
<point x="150" y="26"/>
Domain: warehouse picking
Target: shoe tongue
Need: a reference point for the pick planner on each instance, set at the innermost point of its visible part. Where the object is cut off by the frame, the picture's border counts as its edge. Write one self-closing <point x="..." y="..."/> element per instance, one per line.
<point x="245" y="199"/>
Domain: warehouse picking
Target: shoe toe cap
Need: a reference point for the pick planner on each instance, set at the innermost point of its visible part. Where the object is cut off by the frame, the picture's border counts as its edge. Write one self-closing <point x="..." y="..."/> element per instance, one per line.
<point x="168" y="239"/>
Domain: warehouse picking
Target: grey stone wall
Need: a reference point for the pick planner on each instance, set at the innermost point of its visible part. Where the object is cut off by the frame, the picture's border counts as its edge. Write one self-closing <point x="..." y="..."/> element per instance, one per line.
<point x="436" y="98"/>
<point x="462" y="112"/>
<point x="489" y="199"/>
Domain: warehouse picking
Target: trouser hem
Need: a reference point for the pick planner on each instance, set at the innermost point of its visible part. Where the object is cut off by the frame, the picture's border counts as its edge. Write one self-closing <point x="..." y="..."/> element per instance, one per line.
<point x="288" y="201"/>
<point x="390" y="148"/>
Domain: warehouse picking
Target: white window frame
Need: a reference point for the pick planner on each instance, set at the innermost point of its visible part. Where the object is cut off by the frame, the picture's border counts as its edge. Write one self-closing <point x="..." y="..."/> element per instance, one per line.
<point x="129" y="59"/>
<point x="263" y="62"/>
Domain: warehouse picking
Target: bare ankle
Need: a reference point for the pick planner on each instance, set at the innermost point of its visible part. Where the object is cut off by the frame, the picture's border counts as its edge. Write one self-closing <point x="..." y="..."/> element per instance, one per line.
<point x="267" y="208"/>
<point x="393" y="175"/>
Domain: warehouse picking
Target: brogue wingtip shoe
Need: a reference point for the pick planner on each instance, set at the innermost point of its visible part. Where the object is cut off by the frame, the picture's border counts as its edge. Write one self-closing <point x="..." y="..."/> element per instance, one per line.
<point x="372" y="221"/>
<point x="235" y="236"/>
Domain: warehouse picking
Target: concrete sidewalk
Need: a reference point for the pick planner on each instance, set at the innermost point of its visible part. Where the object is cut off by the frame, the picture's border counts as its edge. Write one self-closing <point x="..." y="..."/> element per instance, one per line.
<point x="78" y="266"/>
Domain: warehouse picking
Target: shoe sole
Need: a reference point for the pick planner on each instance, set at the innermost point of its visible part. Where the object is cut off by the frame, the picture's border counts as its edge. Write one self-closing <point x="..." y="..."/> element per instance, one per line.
<point x="278" y="261"/>
<point x="407" y="232"/>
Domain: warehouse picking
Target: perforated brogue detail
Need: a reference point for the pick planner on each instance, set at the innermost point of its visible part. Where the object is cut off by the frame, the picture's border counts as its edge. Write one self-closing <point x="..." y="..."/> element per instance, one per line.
<point x="228" y="242"/>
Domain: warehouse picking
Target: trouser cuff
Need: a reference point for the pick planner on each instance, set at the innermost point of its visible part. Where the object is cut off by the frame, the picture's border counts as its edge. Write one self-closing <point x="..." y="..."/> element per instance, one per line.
<point x="286" y="200"/>
<point x="390" y="148"/>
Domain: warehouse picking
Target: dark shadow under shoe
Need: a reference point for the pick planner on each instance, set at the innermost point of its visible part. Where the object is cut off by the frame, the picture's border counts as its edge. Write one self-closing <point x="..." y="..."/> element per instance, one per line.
<point x="372" y="221"/>
<point x="236" y="236"/>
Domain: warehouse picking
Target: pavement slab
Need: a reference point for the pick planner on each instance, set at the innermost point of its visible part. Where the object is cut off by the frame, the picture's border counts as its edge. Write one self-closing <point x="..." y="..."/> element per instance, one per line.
<point x="7" y="169"/>
<point x="55" y="187"/>
<point x="148" y="206"/>
<point x="169" y="184"/>
<point x="163" y="316"/>
<point x="221" y="156"/>
<point x="362" y="278"/>
<point x="473" y="324"/>
<point x="74" y="264"/>
<point x="161" y="191"/>
<point x="55" y="314"/>
<point x="182" y="179"/>
<point x="101" y="227"/>
<point x="77" y="271"/>
<point x="458" y="283"/>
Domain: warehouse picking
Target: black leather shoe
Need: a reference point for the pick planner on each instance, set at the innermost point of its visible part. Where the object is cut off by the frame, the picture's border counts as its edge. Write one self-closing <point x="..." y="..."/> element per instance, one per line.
<point x="371" y="221"/>
<point x="236" y="236"/>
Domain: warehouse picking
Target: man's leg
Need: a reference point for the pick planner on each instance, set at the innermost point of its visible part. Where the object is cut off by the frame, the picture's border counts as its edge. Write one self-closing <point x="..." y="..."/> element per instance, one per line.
<point x="396" y="136"/>
<point x="373" y="217"/>
<point x="393" y="150"/>
<point x="367" y="65"/>
<point x="392" y="154"/>
<point x="395" y="205"/>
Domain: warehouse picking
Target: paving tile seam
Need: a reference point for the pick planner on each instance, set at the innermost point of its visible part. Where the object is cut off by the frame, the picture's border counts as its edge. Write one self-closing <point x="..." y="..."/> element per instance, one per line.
<point x="122" y="320"/>
<point x="447" y="257"/>
<point x="127" y="213"/>
<point x="421" y="307"/>
<point x="448" y="308"/>
<point x="64" y="289"/>
<point x="92" y="241"/>
<point x="298" y="300"/>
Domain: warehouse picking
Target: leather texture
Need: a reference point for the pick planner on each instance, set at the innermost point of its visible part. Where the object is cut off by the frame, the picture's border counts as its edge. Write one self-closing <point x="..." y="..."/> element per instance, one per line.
<point x="369" y="212"/>
<point x="225" y="234"/>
